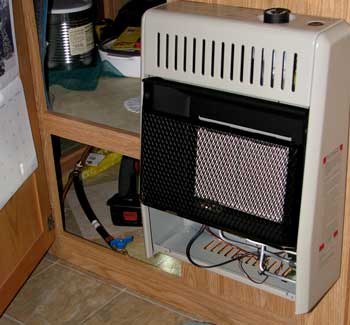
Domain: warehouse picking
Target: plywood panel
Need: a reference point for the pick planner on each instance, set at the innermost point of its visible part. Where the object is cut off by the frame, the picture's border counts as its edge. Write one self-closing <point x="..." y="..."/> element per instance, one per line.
<point x="229" y="290"/>
<point x="111" y="7"/>
<point x="94" y="134"/>
<point x="18" y="228"/>
<point x="326" y="8"/>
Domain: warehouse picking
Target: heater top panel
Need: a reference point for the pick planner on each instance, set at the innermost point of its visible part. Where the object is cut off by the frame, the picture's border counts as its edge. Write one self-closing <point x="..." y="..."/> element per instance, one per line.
<point x="231" y="49"/>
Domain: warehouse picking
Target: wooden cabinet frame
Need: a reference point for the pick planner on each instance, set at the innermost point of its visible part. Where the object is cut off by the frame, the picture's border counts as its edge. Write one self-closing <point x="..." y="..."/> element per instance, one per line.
<point x="24" y="231"/>
<point x="198" y="291"/>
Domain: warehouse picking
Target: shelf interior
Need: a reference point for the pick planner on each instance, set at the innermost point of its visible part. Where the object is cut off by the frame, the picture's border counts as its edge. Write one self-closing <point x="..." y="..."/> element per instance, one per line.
<point x="104" y="106"/>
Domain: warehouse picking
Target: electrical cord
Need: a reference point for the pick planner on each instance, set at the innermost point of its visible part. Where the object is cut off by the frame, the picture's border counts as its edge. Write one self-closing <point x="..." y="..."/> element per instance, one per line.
<point x="233" y="241"/>
<point x="236" y="258"/>
<point x="194" y="238"/>
<point x="229" y="240"/>
<point x="248" y="276"/>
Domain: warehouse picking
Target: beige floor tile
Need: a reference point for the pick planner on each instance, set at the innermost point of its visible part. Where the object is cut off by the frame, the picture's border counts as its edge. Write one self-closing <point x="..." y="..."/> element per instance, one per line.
<point x="114" y="284"/>
<point x="60" y="295"/>
<point x="127" y="309"/>
<point x="7" y="321"/>
<point x="42" y="266"/>
<point x="191" y="317"/>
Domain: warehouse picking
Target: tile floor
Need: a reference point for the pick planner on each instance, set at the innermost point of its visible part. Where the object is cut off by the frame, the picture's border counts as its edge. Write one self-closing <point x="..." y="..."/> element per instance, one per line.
<point x="59" y="293"/>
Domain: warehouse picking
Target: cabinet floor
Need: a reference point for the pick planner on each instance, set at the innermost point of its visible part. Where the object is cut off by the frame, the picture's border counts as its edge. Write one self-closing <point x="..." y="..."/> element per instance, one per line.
<point x="58" y="292"/>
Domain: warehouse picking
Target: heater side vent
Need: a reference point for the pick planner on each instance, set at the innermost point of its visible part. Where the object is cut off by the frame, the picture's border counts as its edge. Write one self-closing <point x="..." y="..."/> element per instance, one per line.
<point x="249" y="66"/>
<point x="232" y="61"/>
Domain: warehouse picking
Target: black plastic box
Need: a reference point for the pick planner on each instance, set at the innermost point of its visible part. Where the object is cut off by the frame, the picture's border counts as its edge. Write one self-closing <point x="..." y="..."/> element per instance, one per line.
<point x="125" y="211"/>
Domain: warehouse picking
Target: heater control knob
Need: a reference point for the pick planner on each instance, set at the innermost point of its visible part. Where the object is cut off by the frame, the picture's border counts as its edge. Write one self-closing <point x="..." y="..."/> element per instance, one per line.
<point x="276" y="16"/>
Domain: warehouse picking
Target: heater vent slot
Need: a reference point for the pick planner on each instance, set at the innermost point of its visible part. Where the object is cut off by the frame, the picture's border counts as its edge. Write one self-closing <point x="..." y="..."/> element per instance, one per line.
<point x="244" y="68"/>
<point x="295" y="71"/>
<point x="185" y="55"/>
<point x="203" y="57"/>
<point x="232" y="61"/>
<point x="252" y="65"/>
<point x="212" y="58"/>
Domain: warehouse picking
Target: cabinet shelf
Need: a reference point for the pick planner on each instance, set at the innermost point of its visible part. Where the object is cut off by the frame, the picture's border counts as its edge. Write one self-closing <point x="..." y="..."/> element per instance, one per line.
<point x="105" y="105"/>
<point x="98" y="117"/>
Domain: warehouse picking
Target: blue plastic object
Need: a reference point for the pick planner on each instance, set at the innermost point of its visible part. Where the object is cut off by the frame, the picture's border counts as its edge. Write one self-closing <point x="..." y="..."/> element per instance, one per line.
<point x="120" y="243"/>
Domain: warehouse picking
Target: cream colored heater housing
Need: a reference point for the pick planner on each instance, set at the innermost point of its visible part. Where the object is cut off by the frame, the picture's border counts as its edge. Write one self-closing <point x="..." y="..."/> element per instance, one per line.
<point x="303" y="64"/>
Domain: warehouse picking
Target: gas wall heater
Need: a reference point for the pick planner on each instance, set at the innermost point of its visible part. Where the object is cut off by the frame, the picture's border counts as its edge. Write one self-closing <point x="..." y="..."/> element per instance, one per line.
<point x="244" y="143"/>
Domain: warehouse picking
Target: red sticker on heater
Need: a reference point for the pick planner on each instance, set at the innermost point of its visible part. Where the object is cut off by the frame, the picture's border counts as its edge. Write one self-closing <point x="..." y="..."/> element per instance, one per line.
<point x="334" y="155"/>
<point x="322" y="247"/>
<point x="130" y="216"/>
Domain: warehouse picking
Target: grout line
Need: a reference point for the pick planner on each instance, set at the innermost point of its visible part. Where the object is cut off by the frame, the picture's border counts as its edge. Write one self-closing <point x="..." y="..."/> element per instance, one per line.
<point x="102" y="306"/>
<point x="122" y="290"/>
<point x="101" y="281"/>
<point x="33" y="276"/>
<point x="12" y="319"/>
<point x="52" y="258"/>
<point x="161" y="305"/>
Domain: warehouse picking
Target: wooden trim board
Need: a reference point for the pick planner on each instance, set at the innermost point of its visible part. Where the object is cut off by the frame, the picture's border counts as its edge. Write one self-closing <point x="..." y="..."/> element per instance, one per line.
<point x="92" y="133"/>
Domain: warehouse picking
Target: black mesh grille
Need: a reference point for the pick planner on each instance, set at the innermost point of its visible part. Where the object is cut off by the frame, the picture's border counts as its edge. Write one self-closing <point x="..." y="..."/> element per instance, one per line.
<point x="241" y="173"/>
<point x="237" y="183"/>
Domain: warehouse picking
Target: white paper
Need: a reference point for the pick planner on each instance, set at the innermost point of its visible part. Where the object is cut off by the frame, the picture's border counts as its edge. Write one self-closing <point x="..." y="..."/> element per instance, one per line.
<point x="133" y="104"/>
<point x="17" y="153"/>
<point x="8" y="52"/>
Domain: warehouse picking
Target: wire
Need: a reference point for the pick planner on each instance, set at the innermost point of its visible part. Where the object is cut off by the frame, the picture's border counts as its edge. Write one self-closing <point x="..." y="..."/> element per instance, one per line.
<point x="229" y="240"/>
<point x="69" y="183"/>
<point x="234" y="241"/>
<point x="194" y="238"/>
<point x="248" y="276"/>
<point x="236" y="258"/>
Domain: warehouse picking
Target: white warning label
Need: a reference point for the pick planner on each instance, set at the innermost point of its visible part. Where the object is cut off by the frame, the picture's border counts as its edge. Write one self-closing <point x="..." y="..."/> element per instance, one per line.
<point x="332" y="174"/>
<point x="332" y="204"/>
<point x="81" y="39"/>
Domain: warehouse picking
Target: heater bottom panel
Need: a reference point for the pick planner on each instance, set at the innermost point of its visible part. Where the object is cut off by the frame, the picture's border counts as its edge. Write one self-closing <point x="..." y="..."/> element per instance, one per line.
<point x="170" y="235"/>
